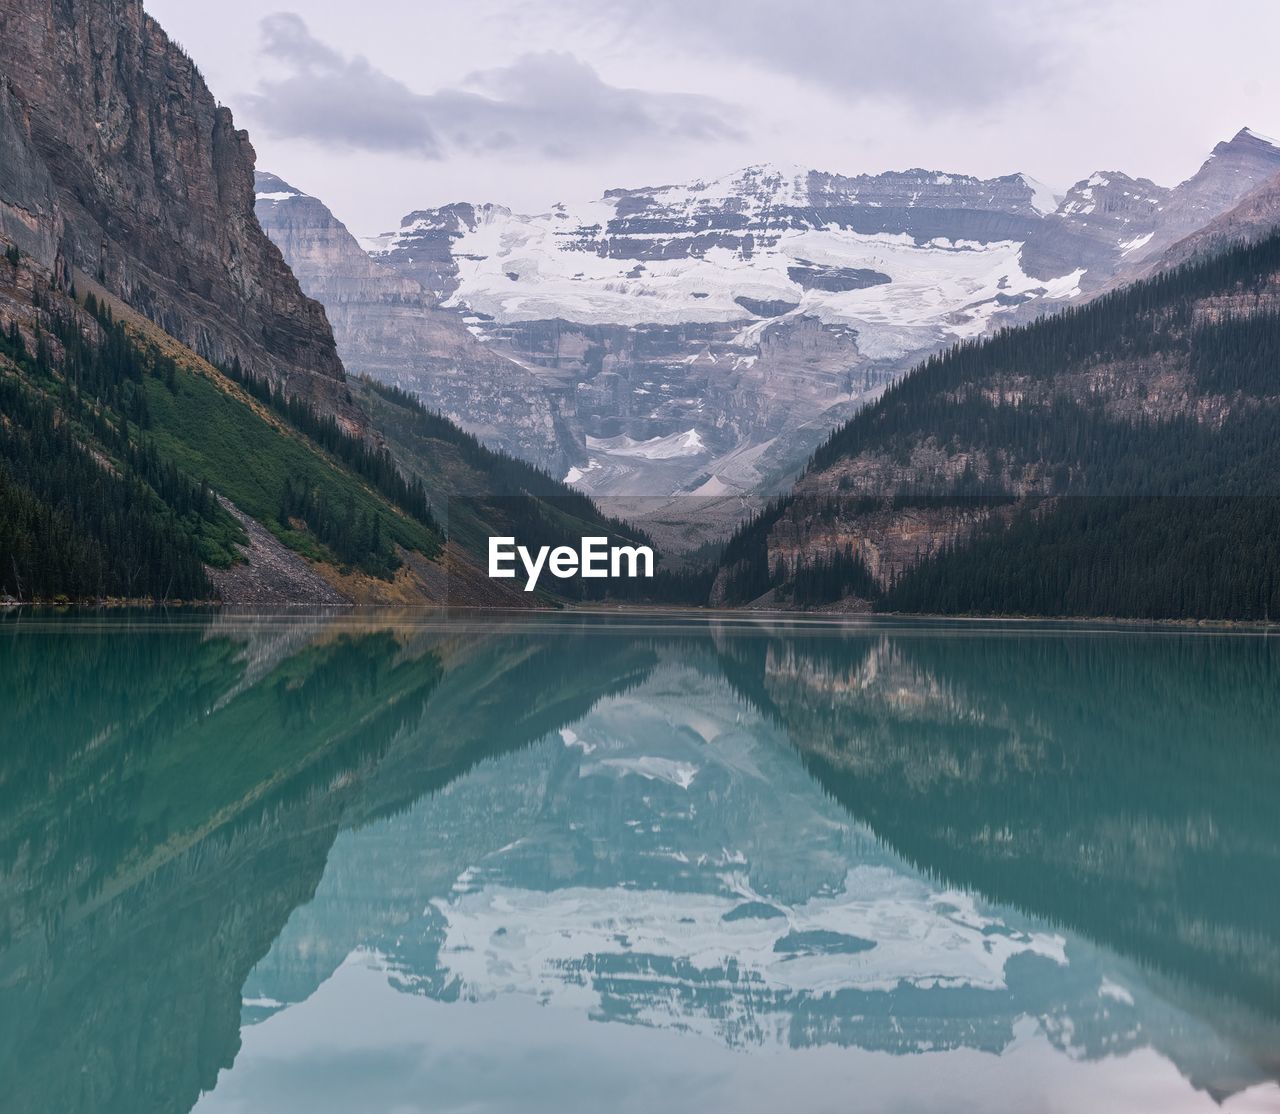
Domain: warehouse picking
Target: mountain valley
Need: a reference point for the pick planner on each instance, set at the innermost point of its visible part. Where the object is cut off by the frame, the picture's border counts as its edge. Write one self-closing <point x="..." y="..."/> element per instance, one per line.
<point x="702" y="339"/>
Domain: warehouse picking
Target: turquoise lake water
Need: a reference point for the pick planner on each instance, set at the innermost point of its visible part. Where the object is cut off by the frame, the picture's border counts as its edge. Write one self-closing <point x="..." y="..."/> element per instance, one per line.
<point x="387" y="863"/>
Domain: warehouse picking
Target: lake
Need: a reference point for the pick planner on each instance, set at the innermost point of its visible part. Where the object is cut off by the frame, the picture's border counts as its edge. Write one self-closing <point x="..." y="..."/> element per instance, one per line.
<point x="393" y="863"/>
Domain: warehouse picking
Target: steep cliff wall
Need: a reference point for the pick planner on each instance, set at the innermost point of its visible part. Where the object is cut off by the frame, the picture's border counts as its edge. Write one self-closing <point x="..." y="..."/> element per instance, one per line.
<point x="29" y="215"/>
<point x="389" y="327"/>
<point x="152" y="188"/>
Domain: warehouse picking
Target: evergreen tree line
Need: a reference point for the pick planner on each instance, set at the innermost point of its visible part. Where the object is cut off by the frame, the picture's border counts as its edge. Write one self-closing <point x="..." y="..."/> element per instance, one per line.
<point x="1069" y="447"/>
<point x="100" y="376"/>
<point x="1147" y="558"/>
<point x="101" y="386"/>
<point x="75" y="525"/>
<point x="505" y="475"/>
<point x="71" y="528"/>
<point x="745" y="560"/>
<point x="826" y="578"/>
<point x="375" y="465"/>
<point x="1238" y="354"/>
<point x="748" y="573"/>
<point x="357" y="540"/>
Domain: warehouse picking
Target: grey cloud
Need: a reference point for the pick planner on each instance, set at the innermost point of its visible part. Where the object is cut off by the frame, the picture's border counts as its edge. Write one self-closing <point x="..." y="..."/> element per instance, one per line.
<point x="333" y="99"/>
<point x="931" y="55"/>
<point x="551" y="104"/>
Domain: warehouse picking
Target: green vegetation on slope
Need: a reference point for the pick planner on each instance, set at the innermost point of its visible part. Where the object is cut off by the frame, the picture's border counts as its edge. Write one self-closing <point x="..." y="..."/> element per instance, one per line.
<point x="88" y="508"/>
<point x="374" y="465"/>
<point x="485" y="487"/>
<point x="111" y="450"/>
<point x="257" y="464"/>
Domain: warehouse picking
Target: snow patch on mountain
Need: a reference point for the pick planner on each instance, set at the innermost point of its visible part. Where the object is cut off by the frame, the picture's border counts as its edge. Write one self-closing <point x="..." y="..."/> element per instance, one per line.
<point x="763" y="305"/>
<point x="1044" y="199"/>
<point x="1136" y="244"/>
<point x="448" y="219"/>
<point x="1259" y="136"/>
<point x="575" y="474"/>
<point x="688" y="443"/>
<point x="516" y="268"/>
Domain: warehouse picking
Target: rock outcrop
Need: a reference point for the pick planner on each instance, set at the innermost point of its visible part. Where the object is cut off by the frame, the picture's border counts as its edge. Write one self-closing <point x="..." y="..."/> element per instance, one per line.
<point x="1232" y="171"/>
<point x="118" y="161"/>
<point x="1254" y="217"/>
<point x="29" y="215"/>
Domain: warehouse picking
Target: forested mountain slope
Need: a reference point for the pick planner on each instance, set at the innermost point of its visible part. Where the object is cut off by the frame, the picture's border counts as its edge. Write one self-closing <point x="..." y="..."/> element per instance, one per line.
<point x="133" y="469"/>
<point x="1112" y="459"/>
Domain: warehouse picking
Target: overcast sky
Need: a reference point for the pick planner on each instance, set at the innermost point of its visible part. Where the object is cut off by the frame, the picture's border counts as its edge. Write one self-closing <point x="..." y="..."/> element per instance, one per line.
<point x="383" y="106"/>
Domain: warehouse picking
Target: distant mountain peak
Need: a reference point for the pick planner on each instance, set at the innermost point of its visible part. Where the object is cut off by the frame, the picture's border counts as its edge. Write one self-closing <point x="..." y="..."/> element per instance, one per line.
<point x="1112" y="194"/>
<point x="1248" y="135"/>
<point x="765" y="184"/>
<point x="1044" y="198"/>
<point x="271" y="187"/>
<point x="1245" y="143"/>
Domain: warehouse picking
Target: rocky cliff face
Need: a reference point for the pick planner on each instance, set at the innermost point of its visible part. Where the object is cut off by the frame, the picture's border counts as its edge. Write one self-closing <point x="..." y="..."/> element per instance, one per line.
<point x="1232" y="171"/>
<point x="1253" y="218"/>
<point x="1112" y="218"/>
<point x="29" y="215"/>
<point x="888" y="538"/>
<point x="388" y="326"/>
<point x="118" y="161"/>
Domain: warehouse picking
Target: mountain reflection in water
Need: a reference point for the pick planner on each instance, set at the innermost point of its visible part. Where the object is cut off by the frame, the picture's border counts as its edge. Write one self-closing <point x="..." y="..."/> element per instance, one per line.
<point x="371" y="862"/>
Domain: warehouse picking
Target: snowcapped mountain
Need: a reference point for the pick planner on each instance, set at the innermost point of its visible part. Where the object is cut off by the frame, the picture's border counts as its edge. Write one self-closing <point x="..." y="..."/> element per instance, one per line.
<point x="741" y="316"/>
<point x="758" y="245"/>
<point x="703" y="337"/>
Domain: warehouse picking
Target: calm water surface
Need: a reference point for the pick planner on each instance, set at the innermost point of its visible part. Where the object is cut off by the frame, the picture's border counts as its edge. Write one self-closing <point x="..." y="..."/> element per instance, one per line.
<point x="386" y="864"/>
